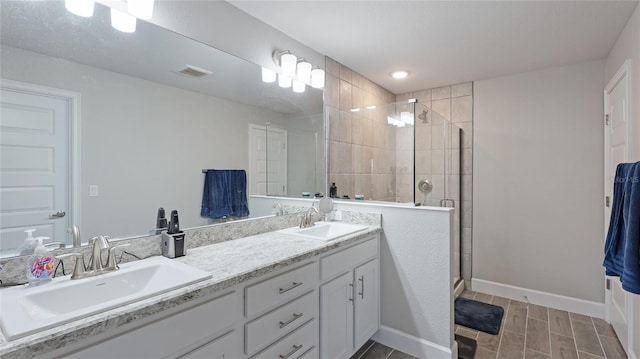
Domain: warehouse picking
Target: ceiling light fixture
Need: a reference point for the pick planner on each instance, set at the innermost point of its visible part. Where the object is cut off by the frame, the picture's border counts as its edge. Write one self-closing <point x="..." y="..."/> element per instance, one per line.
<point x="298" y="86"/>
<point x="399" y="74"/>
<point x="142" y="9"/>
<point x="82" y="8"/>
<point x="287" y="62"/>
<point x="304" y="71"/>
<point x="294" y="71"/>
<point x="268" y="75"/>
<point x="122" y="21"/>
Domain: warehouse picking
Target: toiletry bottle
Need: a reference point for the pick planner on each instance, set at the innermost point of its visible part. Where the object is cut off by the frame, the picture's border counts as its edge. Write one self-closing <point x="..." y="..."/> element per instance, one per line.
<point x="29" y="243"/>
<point x="40" y="265"/>
<point x="333" y="190"/>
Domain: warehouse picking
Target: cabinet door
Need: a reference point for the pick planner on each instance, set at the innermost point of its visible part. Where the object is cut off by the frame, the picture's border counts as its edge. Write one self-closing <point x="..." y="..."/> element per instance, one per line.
<point x="336" y="318"/>
<point x="226" y="347"/>
<point x="367" y="299"/>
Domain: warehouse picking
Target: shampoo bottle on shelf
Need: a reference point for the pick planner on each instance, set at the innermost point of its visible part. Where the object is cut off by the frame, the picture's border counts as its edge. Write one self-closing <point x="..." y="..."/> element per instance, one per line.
<point x="40" y="266"/>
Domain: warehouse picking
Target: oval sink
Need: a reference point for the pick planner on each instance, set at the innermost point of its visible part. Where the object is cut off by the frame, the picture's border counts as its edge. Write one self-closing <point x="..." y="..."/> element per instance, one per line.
<point x="326" y="231"/>
<point x="26" y="310"/>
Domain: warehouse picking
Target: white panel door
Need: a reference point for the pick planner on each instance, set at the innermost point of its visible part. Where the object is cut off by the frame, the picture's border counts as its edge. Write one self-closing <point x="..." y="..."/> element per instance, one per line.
<point x="267" y="160"/>
<point x="616" y="151"/>
<point x="34" y="166"/>
<point x="367" y="299"/>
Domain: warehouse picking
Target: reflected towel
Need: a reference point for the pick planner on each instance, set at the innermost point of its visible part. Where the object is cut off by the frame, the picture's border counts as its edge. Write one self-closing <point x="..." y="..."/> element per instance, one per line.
<point x="225" y="194"/>
<point x="622" y="248"/>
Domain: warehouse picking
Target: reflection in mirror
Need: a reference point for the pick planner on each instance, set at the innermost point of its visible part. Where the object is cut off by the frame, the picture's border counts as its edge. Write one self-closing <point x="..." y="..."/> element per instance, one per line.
<point x="101" y="128"/>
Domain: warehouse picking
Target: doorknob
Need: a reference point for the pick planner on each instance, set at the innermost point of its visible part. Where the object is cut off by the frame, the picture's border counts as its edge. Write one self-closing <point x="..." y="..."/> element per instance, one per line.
<point x="58" y="214"/>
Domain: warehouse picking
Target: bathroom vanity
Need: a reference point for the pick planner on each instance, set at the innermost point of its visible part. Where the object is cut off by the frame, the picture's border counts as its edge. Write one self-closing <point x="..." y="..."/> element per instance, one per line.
<point x="274" y="294"/>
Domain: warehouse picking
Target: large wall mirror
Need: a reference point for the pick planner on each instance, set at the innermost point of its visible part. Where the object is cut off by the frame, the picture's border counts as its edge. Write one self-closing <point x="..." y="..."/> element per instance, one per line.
<point x="131" y="121"/>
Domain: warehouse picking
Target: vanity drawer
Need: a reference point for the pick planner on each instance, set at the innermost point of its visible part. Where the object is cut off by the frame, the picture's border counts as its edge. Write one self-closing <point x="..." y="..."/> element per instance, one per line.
<point x="343" y="261"/>
<point x="294" y="345"/>
<point x="278" y="290"/>
<point x="227" y="346"/>
<point x="275" y="324"/>
<point x="313" y="353"/>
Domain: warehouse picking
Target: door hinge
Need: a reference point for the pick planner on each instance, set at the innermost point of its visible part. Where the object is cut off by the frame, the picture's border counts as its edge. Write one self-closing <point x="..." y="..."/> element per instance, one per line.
<point x="607" y="201"/>
<point x="606" y="120"/>
<point x="608" y="283"/>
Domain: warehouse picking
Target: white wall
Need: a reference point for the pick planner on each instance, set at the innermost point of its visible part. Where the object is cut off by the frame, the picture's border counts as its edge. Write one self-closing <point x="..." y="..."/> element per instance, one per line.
<point x="144" y="144"/>
<point x="416" y="273"/>
<point x="538" y="179"/>
<point x="628" y="47"/>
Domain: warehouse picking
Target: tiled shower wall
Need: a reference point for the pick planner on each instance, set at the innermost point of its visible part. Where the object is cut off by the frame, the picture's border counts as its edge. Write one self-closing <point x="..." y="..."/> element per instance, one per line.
<point x="455" y="103"/>
<point x="361" y="144"/>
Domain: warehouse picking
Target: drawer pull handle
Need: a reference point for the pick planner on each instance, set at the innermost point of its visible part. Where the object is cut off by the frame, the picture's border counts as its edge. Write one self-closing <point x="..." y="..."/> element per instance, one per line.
<point x="295" y="316"/>
<point x="351" y="292"/>
<point x="293" y="285"/>
<point x="361" y="279"/>
<point x="295" y="349"/>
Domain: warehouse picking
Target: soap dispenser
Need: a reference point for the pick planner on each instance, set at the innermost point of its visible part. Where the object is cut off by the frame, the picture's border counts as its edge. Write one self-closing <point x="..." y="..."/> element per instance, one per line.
<point x="29" y="243"/>
<point x="40" y="265"/>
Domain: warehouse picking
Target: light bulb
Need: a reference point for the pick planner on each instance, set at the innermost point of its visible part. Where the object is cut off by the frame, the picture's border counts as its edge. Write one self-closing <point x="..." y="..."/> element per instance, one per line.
<point x="304" y="71"/>
<point x="288" y="63"/>
<point x="284" y="81"/>
<point x="399" y="74"/>
<point x="142" y="9"/>
<point x="298" y="86"/>
<point x="317" y="78"/>
<point x="123" y="21"/>
<point x="82" y="8"/>
<point x="268" y="75"/>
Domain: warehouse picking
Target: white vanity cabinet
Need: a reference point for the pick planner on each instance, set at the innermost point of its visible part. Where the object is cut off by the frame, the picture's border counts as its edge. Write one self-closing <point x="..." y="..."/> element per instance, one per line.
<point x="350" y="302"/>
<point x="192" y="333"/>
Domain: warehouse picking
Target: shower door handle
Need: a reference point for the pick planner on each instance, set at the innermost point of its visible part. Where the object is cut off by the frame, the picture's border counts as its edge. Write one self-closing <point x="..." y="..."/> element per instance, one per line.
<point x="445" y="201"/>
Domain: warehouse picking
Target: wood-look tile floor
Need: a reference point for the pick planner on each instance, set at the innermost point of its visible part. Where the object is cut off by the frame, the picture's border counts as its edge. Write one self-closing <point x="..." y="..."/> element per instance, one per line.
<point x="528" y="331"/>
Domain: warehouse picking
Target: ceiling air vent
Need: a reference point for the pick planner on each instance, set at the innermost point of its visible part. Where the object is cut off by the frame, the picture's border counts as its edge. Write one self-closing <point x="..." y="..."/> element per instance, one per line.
<point x="193" y="72"/>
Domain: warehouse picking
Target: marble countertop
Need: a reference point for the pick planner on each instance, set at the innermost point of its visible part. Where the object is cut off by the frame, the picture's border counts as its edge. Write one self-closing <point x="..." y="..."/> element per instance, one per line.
<point x="229" y="263"/>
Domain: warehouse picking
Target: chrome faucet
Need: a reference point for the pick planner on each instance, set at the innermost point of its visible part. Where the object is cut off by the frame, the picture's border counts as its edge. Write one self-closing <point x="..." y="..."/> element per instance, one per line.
<point x="307" y="218"/>
<point x="96" y="267"/>
<point x="279" y="207"/>
<point x="75" y="234"/>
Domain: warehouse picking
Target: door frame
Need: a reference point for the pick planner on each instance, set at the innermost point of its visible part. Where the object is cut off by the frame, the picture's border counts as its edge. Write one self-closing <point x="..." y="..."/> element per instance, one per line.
<point x="266" y="127"/>
<point x="623" y="74"/>
<point x="74" y="100"/>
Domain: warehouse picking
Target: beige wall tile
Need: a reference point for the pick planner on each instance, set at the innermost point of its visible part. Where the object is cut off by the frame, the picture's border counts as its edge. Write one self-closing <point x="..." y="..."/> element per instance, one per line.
<point x="333" y="121"/>
<point x="345" y="73"/>
<point x="423" y="137"/>
<point x="443" y="108"/>
<point x="466" y="214"/>
<point x="467" y="134"/>
<point x="356" y="129"/>
<point x="467" y="161"/>
<point x="437" y="162"/>
<point x="467" y="187"/>
<point x="345" y="95"/>
<point x="356" y="98"/>
<point x="367" y="158"/>
<point x="462" y="89"/>
<point x="437" y="137"/>
<point x="344" y="127"/>
<point x="332" y="91"/>
<point x="423" y="97"/>
<point x="332" y="66"/>
<point x="466" y="241"/>
<point x="367" y="132"/>
<point x="357" y="159"/>
<point x="462" y="109"/>
<point x="357" y="80"/>
<point x="423" y="161"/>
<point x="440" y="93"/>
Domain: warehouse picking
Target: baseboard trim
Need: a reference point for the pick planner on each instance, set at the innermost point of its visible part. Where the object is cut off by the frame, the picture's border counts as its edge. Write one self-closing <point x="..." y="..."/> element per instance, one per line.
<point x="458" y="289"/>
<point x="580" y="306"/>
<point x="633" y="355"/>
<point x="415" y="346"/>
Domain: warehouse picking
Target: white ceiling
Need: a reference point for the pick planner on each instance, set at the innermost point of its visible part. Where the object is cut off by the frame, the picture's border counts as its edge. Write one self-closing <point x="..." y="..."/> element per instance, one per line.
<point x="448" y="42"/>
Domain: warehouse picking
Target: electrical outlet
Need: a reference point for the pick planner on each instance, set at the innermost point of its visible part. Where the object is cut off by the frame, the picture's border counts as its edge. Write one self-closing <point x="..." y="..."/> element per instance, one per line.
<point x="337" y="215"/>
<point x="93" y="190"/>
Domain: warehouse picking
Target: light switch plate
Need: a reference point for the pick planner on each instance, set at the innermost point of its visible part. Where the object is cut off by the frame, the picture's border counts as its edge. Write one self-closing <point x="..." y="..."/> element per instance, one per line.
<point x="93" y="190"/>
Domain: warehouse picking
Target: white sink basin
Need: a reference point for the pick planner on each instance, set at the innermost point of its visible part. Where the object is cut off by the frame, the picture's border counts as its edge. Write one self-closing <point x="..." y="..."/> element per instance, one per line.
<point x="326" y="231"/>
<point x="25" y="310"/>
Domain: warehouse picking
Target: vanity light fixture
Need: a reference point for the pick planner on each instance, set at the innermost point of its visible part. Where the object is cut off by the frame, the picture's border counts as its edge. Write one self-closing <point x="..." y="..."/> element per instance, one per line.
<point x="317" y="78"/>
<point x="122" y="21"/>
<point x="82" y="8"/>
<point x="288" y="63"/>
<point x="399" y="74"/>
<point x="298" y="86"/>
<point x="268" y="75"/>
<point x="284" y="81"/>
<point x="304" y="71"/>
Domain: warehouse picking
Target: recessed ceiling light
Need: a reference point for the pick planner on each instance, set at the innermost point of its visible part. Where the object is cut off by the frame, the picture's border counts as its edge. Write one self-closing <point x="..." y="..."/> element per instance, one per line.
<point x="399" y="74"/>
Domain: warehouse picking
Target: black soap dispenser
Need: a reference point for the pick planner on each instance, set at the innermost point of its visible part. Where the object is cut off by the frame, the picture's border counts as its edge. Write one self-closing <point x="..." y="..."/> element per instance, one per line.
<point x="333" y="190"/>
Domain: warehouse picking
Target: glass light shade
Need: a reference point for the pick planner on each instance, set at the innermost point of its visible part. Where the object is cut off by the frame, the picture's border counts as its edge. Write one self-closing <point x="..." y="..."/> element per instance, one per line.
<point x="298" y="86"/>
<point x="123" y="21"/>
<point x="142" y="9"/>
<point x="399" y="74"/>
<point x="288" y="64"/>
<point x="284" y="81"/>
<point x="317" y="78"/>
<point x="304" y="71"/>
<point x="268" y="75"/>
<point x="82" y="8"/>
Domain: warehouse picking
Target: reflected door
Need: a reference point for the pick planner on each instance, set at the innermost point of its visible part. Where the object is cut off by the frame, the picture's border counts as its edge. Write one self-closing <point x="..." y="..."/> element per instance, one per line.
<point x="267" y="160"/>
<point x="34" y="166"/>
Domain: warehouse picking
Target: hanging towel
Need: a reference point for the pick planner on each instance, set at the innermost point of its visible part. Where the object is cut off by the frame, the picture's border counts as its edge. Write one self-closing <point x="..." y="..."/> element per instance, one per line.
<point x="622" y="248"/>
<point x="225" y="194"/>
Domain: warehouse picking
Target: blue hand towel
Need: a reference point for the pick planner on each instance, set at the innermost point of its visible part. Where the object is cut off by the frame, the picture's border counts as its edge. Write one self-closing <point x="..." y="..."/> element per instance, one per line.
<point x="224" y="194"/>
<point x="622" y="248"/>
